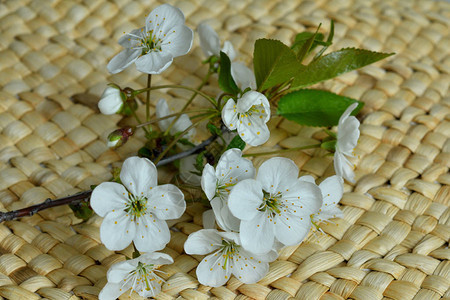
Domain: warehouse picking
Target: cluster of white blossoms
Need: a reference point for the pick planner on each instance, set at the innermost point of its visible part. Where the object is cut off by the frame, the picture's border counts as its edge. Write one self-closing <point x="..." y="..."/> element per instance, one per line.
<point x="257" y="212"/>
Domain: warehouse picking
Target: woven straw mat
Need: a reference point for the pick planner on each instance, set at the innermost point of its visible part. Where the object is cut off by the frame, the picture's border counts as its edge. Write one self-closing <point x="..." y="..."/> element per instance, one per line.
<point x="393" y="240"/>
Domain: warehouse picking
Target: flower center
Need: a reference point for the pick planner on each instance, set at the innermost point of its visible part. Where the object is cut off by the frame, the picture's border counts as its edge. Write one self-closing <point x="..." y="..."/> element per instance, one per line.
<point x="271" y="203"/>
<point x="257" y="110"/>
<point x="143" y="275"/>
<point x="228" y="250"/>
<point x="136" y="206"/>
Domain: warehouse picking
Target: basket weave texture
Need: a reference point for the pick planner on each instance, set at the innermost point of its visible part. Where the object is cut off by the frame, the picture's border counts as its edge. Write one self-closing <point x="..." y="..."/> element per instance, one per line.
<point x="393" y="240"/>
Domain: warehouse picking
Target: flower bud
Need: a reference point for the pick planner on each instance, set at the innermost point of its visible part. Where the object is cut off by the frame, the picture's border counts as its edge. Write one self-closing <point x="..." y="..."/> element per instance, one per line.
<point x="111" y="101"/>
<point x="119" y="137"/>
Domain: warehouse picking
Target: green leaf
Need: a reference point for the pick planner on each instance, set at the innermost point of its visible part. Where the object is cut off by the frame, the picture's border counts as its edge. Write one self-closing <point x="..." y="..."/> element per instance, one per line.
<point x="301" y="39"/>
<point x="309" y="45"/>
<point x="335" y="64"/>
<point x="226" y="81"/>
<point x="274" y="63"/>
<point x="315" y="107"/>
<point x="199" y="161"/>
<point x="329" y="41"/>
<point x="236" y="142"/>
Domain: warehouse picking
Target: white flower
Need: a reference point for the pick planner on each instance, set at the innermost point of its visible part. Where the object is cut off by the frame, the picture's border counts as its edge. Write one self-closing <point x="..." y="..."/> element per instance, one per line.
<point x="277" y="205"/>
<point x="210" y="42"/>
<point x="136" y="210"/>
<point x="136" y="274"/>
<point x="243" y="76"/>
<point x="347" y="138"/>
<point x="218" y="183"/>
<point x="227" y="257"/>
<point x="110" y="102"/>
<point x="153" y="47"/>
<point x="332" y="189"/>
<point x="183" y="122"/>
<point x="249" y="116"/>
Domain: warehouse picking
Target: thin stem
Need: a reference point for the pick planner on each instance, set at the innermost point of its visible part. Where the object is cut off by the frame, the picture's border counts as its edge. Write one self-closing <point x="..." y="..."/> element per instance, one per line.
<point x="171" y="116"/>
<point x="84" y="196"/>
<point x="137" y="118"/>
<point x="160" y="156"/>
<point x="282" y="151"/>
<point x="205" y="80"/>
<point x="176" y="86"/>
<point x="147" y="101"/>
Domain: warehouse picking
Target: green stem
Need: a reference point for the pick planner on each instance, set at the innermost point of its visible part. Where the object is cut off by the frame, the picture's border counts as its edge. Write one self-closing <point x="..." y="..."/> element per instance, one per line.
<point x="147" y="101"/>
<point x="282" y="151"/>
<point x="160" y="156"/>
<point x="136" y="117"/>
<point x="176" y="86"/>
<point x="173" y="115"/>
<point x="205" y="80"/>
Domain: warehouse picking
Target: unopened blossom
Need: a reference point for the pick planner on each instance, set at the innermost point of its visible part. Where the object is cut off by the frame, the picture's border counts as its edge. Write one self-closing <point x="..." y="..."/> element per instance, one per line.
<point x="226" y="256"/>
<point x="347" y="138"/>
<point x="249" y="115"/>
<point x="183" y="122"/>
<point x="136" y="210"/>
<point x="110" y="101"/>
<point x="153" y="47"/>
<point x="274" y="207"/>
<point x="332" y="189"/>
<point x="119" y="137"/>
<point x="210" y="42"/>
<point x="217" y="184"/>
<point x="139" y="275"/>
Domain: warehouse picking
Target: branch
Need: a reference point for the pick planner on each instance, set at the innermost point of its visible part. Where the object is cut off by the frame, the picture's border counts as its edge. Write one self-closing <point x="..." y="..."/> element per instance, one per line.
<point x="84" y="196"/>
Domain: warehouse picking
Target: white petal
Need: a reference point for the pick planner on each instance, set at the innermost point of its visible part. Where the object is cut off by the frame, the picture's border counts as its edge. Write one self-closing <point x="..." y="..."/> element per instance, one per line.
<point x="228" y="49"/>
<point x="255" y="134"/>
<point x="119" y="271"/>
<point x="128" y="41"/>
<point x="178" y="40"/>
<point x="248" y="269"/>
<point x="111" y="291"/>
<point x="332" y="190"/>
<point x="110" y="101"/>
<point x="343" y="167"/>
<point x="117" y="230"/>
<point x="348" y="135"/>
<point x="165" y="17"/>
<point x="209" y="40"/>
<point x="308" y="178"/>
<point x="210" y="271"/>
<point x="166" y="202"/>
<point x="291" y="230"/>
<point x="252" y="98"/>
<point x="203" y="242"/>
<point x="245" y="199"/>
<point x="257" y="234"/>
<point x="328" y="213"/>
<point x="347" y="113"/>
<point x="277" y="174"/>
<point x="223" y="215"/>
<point x="232" y="167"/>
<point x="243" y="76"/>
<point x="303" y="198"/>
<point x="162" y="110"/>
<point x="156" y="258"/>
<point x="154" y="62"/>
<point x="108" y="196"/>
<point x="152" y="234"/>
<point x="138" y="175"/>
<point x="186" y="169"/>
<point x="209" y="219"/>
<point x="230" y="115"/>
<point x="209" y="181"/>
<point x="122" y="60"/>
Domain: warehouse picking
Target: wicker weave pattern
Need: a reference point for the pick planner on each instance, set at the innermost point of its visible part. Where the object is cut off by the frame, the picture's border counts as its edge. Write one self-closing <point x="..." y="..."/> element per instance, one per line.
<point x="392" y="242"/>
